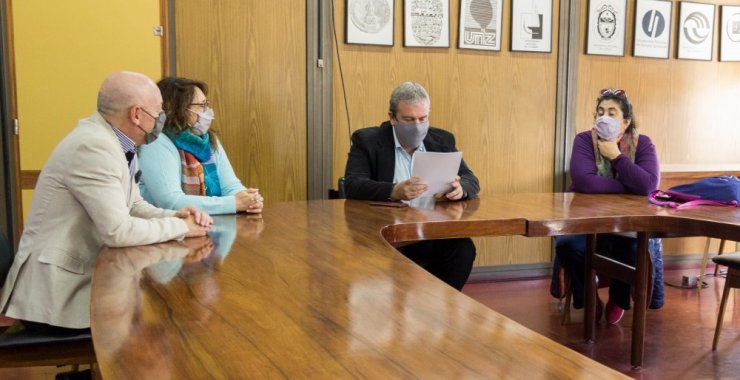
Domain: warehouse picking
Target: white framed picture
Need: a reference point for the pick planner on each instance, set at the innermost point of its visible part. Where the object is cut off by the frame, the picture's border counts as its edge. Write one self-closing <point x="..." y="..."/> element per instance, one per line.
<point x="480" y="24"/>
<point x="695" y="31"/>
<point x="426" y="23"/>
<point x="652" y="34"/>
<point x="729" y="42"/>
<point x="369" y="22"/>
<point x="531" y="25"/>
<point x="606" y="27"/>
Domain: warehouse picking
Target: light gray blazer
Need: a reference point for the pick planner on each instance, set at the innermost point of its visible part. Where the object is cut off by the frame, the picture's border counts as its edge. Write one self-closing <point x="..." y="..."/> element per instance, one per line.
<point x="84" y="200"/>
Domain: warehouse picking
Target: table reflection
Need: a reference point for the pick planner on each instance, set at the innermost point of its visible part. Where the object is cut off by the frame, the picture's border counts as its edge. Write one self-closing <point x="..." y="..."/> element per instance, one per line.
<point x="118" y="289"/>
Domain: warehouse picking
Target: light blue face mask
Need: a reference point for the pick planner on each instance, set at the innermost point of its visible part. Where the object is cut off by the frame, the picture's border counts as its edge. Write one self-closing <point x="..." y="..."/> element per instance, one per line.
<point x="608" y="128"/>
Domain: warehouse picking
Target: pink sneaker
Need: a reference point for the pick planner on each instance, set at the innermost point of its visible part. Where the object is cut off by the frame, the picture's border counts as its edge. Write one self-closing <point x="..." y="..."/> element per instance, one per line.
<point x="614" y="313"/>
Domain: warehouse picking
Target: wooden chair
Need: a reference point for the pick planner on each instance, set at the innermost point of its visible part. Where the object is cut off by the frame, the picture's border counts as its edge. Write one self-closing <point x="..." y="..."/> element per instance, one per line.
<point x="21" y="348"/>
<point x="705" y="260"/>
<point x="602" y="282"/>
<point x="732" y="262"/>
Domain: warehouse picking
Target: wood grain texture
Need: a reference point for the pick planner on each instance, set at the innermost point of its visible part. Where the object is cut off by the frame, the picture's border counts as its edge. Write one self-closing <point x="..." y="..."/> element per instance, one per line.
<point x="71" y="353"/>
<point x="29" y="179"/>
<point x="312" y="289"/>
<point x="499" y="105"/>
<point x="670" y="179"/>
<point x="252" y="55"/>
<point x="686" y="107"/>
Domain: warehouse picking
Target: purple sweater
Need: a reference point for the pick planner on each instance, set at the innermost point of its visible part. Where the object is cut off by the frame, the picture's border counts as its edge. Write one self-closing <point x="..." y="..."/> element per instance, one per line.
<point x="639" y="177"/>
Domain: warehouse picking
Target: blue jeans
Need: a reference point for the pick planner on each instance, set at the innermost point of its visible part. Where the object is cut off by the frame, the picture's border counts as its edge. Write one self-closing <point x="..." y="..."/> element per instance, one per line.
<point x="570" y="251"/>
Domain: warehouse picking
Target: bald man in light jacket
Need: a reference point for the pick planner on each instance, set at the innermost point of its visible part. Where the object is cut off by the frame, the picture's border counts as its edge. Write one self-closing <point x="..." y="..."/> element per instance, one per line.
<point x="85" y="199"/>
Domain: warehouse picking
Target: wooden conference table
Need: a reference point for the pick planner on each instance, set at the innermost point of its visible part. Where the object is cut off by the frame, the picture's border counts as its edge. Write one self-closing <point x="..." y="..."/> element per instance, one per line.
<point x="312" y="289"/>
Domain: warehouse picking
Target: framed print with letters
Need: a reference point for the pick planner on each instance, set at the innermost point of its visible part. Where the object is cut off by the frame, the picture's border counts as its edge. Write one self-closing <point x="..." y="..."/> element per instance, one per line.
<point x="480" y="24"/>
<point x="369" y="22"/>
<point x="695" y="27"/>
<point x="606" y="27"/>
<point x="652" y="34"/>
<point x="426" y="23"/>
<point x="531" y="25"/>
<point x="729" y="42"/>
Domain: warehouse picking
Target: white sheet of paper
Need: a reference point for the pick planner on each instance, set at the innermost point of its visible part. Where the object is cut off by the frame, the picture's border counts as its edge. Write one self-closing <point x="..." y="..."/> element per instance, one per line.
<point x="436" y="169"/>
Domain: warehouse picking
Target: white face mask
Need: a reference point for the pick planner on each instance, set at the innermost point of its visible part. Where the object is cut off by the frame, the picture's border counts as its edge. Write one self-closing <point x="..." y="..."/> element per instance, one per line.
<point x="203" y="123"/>
<point x="608" y="128"/>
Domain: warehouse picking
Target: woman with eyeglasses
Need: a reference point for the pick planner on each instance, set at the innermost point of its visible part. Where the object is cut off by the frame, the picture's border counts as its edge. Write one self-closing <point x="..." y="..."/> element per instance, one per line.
<point x="612" y="158"/>
<point x="187" y="165"/>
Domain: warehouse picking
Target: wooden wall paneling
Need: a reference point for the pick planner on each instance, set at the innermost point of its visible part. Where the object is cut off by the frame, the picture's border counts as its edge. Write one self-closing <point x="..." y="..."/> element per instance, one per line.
<point x="499" y="105"/>
<point x="683" y="105"/>
<point x="253" y="56"/>
<point x="164" y="18"/>
<point x="686" y="107"/>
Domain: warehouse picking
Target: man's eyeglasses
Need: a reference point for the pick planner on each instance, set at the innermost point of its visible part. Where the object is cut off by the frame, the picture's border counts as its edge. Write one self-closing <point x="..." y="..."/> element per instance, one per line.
<point x="609" y="91"/>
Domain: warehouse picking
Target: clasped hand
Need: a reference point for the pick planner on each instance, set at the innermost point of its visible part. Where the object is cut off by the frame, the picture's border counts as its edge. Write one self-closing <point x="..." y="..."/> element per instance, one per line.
<point x="198" y="222"/>
<point x="249" y="200"/>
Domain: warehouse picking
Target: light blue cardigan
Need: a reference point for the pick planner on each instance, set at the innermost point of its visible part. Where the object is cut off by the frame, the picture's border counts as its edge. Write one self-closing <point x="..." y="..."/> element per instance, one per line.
<point x="161" y="179"/>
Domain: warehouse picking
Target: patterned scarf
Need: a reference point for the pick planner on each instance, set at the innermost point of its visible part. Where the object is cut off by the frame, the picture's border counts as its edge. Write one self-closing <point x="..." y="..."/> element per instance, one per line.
<point x="199" y="172"/>
<point x="627" y="145"/>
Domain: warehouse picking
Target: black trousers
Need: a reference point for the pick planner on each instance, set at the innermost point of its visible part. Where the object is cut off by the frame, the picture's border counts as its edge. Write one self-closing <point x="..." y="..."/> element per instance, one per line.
<point x="43" y="328"/>
<point x="450" y="260"/>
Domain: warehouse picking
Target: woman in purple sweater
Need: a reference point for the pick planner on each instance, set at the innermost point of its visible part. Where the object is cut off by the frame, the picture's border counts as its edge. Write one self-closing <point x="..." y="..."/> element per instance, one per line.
<point x="612" y="158"/>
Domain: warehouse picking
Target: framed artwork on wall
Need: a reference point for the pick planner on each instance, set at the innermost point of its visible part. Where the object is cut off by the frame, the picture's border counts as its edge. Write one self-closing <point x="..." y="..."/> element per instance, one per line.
<point x="369" y="22"/>
<point x="729" y="41"/>
<point x="605" y="32"/>
<point x="426" y="23"/>
<point x="531" y="25"/>
<point x="480" y="24"/>
<point x="652" y="34"/>
<point x="695" y="31"/>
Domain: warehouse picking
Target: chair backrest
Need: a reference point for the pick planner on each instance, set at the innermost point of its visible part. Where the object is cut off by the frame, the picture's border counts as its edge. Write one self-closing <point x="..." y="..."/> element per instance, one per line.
<point x="338" y="193"/>
<point x="6" y="258"/>
<point x="340" y="187"/>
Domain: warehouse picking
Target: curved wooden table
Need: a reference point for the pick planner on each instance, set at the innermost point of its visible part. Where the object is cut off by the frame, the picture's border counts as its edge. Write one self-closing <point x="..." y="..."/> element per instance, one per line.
<point x="311" y="289"/>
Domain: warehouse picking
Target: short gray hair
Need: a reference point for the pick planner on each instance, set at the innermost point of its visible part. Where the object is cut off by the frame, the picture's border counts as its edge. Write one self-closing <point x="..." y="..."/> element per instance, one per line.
<point x="122" y="90"/>
<point x="411" y="92"/>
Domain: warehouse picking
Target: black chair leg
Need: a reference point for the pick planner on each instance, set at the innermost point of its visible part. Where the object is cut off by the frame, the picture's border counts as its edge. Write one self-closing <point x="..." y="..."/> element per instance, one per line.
<point x="74" y="375"/>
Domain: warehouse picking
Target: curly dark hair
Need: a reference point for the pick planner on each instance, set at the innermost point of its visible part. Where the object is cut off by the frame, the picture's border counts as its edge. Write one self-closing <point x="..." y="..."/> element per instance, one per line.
<point x="620" y="97"/>
<point x="177" y="95"/>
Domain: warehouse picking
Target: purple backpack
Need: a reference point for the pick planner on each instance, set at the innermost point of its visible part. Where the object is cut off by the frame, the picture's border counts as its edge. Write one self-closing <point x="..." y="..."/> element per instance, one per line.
<point x="714" y="191"/>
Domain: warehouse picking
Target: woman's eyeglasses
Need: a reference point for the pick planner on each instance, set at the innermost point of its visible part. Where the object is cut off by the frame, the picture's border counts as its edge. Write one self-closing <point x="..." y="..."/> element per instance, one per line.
<point x="609" y="91"/>
<point x="204" y="104"/>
